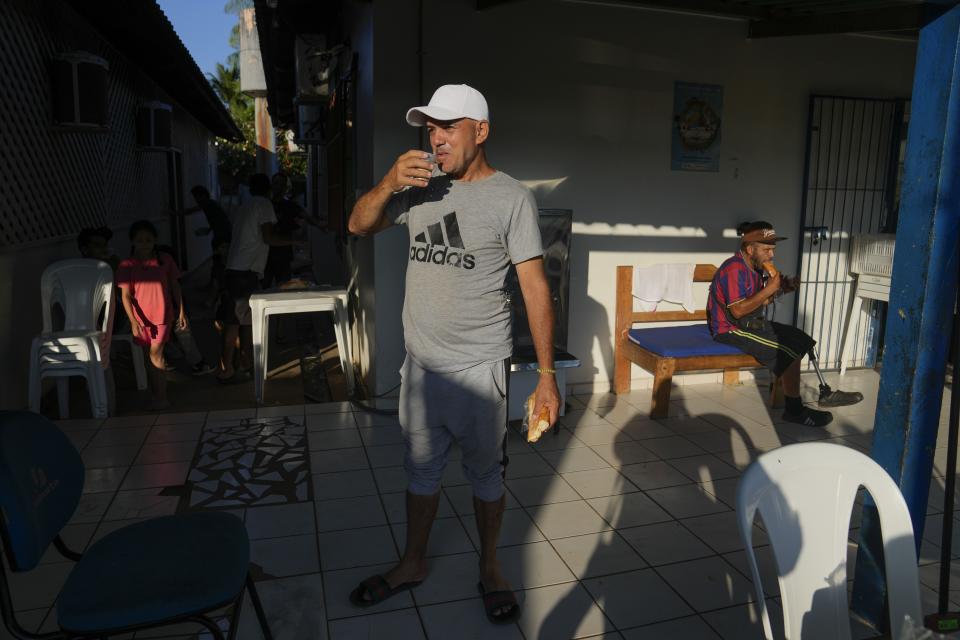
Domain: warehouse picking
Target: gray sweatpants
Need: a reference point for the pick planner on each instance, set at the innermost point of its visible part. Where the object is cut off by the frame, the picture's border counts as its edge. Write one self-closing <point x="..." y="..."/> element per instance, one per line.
<point x="469" y="407"/>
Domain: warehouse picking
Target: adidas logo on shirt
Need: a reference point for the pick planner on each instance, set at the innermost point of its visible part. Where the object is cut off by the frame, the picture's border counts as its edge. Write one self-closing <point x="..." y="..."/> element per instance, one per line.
<point x="442" y="245"/>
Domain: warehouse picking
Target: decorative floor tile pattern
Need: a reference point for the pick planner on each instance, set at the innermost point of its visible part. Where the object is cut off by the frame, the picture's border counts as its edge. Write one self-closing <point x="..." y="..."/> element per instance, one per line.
<point x="258" y="461"/>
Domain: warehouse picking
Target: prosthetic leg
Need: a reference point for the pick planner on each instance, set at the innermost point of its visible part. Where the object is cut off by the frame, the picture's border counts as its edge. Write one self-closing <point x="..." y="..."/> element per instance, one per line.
<point x="829" y="397"/>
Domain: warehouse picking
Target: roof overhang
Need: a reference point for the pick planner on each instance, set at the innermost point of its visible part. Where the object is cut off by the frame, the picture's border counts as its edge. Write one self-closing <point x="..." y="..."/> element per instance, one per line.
<point x="280" y="21"/>
<point x="141" y="32"/>
<point x="777" y="18"/>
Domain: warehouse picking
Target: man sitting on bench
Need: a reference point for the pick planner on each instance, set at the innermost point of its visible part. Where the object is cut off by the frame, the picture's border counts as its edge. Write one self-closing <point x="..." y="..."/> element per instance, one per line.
<point x="741" y="288"/>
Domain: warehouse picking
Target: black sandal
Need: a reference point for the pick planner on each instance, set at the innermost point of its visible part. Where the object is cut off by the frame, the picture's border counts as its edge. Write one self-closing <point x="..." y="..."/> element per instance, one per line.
<point x="496" y="600"/>
<point x="378" y="590"/>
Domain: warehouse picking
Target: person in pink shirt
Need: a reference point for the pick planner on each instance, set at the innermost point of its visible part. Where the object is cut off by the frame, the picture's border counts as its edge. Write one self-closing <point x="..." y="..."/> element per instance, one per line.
<point x="150" y="287"/>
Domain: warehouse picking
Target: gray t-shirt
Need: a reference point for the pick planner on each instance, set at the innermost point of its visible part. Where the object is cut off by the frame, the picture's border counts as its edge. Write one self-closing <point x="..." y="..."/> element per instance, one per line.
<point x="463" y="238"/>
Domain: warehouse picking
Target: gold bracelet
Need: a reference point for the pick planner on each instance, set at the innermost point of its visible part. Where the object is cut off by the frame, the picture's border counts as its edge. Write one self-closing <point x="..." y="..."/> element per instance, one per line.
<point x="542" y="370"/>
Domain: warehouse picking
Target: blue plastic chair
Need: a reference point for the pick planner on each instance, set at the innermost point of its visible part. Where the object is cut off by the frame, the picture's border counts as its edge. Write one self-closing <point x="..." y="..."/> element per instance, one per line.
<point x="159" y="572"/>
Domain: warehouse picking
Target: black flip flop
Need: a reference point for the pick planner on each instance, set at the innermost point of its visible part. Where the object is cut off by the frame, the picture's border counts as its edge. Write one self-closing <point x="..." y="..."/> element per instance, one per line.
<point x="494" y="600"/>
<point x="378" y="590"/>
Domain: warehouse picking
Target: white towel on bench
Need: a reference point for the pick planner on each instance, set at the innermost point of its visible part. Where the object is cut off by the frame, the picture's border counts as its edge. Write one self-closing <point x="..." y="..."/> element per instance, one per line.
<point x="663" y="282"/>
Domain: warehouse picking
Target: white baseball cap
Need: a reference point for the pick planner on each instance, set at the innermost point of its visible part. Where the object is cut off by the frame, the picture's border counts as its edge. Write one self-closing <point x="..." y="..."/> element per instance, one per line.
<point x="451" y="102"/>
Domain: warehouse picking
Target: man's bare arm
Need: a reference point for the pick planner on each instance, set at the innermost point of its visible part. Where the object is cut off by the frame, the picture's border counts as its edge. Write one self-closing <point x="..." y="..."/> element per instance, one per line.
<point x="410" y="170"/>
<point x="536" y="297"/>
<point x="367" y="216"/>
<point x="757" y="300"/>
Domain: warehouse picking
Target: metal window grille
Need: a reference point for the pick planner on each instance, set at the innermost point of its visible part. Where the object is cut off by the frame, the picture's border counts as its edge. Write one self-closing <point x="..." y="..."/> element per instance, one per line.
<point x="852" y="168"/>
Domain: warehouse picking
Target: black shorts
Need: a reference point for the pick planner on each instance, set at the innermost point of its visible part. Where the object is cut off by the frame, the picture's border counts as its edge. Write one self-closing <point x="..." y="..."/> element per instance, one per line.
<point x="278" y="268"/>
<point x="774" y="345"/>
<point x="238" y="286"/>
<point x="220" y="245"/>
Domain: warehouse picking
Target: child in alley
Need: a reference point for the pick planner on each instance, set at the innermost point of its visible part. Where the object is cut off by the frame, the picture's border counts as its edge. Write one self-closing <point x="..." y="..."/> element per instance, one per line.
<point x="152" y="300"/>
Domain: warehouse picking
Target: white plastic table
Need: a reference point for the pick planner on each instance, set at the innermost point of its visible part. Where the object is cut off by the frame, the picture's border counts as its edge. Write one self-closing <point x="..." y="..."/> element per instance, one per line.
<point x="266" y="304"/>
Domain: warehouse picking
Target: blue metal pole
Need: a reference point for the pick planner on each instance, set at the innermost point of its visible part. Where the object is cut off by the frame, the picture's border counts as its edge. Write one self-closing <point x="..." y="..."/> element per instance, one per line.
<point x="922" y="297"/>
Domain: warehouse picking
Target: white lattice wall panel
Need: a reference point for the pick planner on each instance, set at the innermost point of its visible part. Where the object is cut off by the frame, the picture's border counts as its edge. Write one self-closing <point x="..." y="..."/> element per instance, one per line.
<point x="54" y="181"/>
<point x="42" y="171"/>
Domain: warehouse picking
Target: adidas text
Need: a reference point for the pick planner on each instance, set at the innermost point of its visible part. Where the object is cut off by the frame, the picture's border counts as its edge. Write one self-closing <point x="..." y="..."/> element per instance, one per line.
<point x="441" y="254"/>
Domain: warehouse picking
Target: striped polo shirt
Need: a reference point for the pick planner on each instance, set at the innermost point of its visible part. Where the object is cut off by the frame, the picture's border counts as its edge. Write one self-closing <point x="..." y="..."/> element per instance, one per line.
<point x="734" y="281"/>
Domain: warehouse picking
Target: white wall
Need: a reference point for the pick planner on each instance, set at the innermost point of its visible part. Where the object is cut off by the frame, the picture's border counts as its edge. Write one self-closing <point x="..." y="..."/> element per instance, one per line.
<point x="582" y="95"/>
<point x="395" y="90"/>
<point x="360" y="252"/>
<point x="387" y="85"/>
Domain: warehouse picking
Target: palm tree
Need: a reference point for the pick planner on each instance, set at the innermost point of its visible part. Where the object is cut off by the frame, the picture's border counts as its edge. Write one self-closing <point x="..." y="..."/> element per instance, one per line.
<point x="235" y="7"/>
<point x="226" y="83"/>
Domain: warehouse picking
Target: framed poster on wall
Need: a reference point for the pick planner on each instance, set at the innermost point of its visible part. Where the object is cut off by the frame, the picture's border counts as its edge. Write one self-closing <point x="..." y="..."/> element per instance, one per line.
<point x="697" y="119"/>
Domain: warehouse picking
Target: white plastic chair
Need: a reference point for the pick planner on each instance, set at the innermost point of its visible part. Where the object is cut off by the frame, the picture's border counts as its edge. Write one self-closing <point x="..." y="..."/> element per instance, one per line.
<point x="83" y="288"/>
<point x="805" y="494"/>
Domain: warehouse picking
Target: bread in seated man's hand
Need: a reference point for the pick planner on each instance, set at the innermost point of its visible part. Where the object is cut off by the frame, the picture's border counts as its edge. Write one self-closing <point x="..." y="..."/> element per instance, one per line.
<point x="536" y="425"/>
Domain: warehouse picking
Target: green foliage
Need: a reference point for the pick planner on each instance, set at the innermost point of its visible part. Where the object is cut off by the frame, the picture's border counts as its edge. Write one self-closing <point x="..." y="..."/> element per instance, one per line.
<point x="226" y="84"/>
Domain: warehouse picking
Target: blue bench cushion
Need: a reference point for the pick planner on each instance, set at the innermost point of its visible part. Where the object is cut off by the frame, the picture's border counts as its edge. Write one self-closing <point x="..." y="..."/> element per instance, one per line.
<point x="681" y="342"/>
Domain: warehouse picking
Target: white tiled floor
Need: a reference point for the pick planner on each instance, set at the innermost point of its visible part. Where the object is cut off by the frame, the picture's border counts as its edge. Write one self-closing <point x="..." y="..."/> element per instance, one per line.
<point x="621" y="527"/>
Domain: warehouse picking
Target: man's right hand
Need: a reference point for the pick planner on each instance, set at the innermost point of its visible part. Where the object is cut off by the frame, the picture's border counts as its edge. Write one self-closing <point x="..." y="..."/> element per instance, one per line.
<point x="773" y="285"/>
<point x="410" y="170"/>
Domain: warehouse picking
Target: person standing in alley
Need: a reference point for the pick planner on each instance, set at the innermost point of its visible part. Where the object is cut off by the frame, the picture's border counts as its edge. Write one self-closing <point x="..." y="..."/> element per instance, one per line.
<point x="254" y="232"/>
<point x="221" y="232"/>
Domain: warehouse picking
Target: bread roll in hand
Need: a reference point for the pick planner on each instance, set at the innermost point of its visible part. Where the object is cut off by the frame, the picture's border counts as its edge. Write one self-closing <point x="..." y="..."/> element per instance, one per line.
<point x="536" y="425"/>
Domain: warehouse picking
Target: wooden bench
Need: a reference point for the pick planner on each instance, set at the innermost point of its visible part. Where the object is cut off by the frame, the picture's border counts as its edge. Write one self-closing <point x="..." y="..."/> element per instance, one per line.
<point x="665" y="350"/>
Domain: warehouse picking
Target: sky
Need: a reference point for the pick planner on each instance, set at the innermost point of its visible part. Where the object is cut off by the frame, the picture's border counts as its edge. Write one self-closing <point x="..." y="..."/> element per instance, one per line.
<point x="203" y="27"/>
